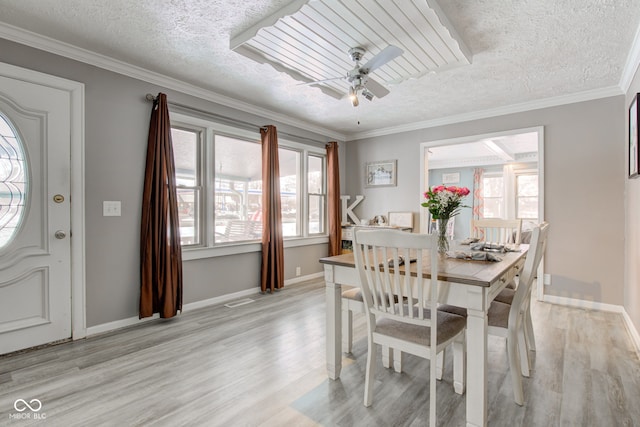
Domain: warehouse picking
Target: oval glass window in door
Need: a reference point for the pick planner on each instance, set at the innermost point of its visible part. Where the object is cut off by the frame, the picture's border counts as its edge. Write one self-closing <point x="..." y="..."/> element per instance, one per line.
<point x="13" y="182"/>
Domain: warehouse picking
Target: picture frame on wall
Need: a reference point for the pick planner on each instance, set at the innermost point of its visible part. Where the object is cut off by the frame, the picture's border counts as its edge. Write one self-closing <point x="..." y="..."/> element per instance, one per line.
<point x="634" y="155"/>
<point x="380" y="174"/>
<point x="451" y="178"/>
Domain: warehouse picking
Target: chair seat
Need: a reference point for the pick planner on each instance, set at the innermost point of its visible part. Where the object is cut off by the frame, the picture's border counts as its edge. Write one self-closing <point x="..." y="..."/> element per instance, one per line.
<point x="449" y="325"/>
<point x="353" y="294"/>
<point x="506" y="296"/>
<point x="498" y="315"/>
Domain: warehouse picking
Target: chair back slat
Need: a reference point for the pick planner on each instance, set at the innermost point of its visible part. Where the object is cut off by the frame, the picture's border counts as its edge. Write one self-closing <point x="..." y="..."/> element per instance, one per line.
<point x="390" y="283"/>
<point x="497" y="230"/>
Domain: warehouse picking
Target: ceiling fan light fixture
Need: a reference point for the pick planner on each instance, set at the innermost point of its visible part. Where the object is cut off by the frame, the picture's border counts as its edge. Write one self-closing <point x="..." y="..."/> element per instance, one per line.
<point x="353" y="96"/>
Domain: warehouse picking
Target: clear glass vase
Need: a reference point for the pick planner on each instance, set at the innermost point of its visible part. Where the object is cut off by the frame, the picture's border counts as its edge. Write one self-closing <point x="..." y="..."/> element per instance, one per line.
<point x="443" y="239"/>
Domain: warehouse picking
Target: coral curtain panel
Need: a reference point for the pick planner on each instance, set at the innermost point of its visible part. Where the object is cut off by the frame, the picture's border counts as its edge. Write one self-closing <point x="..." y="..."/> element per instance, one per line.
<point x="272" y="274"/>
<point x="160" y="251"/>
<point x="333" y="179"/>
<point x="478" y="199"/>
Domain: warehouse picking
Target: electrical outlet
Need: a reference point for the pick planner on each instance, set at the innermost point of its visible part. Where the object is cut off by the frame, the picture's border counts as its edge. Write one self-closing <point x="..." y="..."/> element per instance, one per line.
<point x="298" y="271"/>
<point x="546" y="279"/>
<point x="111" y="208"/>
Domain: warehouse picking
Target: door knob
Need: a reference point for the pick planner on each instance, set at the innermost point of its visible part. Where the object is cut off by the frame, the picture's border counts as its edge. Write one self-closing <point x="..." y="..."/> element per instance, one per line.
<point x="60" y="234"/>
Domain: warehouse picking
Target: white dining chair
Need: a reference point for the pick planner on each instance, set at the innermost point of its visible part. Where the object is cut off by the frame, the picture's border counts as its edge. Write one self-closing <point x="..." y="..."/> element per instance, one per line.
<point x="508" y="320"/>
<point x="497" y="230"/>
<point x="352" y="302"/>
<point x="413" y="324"/>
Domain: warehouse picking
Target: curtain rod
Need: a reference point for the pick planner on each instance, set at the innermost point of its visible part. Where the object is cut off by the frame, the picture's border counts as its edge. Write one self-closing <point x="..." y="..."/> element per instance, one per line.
<point x="234" y="122"/>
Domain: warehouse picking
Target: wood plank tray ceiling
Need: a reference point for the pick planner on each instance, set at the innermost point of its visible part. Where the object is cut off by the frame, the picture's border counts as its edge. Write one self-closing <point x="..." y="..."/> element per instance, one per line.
<point x="309" y="40"/>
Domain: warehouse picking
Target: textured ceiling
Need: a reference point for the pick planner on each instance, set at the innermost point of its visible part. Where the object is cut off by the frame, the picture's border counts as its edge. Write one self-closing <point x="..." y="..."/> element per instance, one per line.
<point x="522" y="51"/>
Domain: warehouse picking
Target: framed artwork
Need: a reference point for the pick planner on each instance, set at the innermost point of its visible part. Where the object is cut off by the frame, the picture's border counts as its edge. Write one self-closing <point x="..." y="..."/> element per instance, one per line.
<point x="634" y="111"/>
<point x="451" y="178"/>
<point x="401" y="219"/>
<point x="380" y="174"/>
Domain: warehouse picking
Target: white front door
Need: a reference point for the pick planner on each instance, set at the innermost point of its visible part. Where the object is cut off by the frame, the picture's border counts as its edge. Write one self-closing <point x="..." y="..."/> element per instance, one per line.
<point x="35" y="262"/>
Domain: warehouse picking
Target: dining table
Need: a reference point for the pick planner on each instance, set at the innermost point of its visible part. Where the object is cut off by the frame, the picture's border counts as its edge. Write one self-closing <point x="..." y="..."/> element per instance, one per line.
<point x="464" y="283"/>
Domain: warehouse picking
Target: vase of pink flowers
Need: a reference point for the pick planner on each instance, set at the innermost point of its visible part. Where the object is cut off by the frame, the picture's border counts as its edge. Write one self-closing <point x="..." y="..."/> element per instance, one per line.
<point x="443" y="204"/>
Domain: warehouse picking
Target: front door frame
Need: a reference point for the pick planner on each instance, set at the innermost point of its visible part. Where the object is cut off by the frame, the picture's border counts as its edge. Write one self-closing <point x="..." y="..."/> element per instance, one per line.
<point x="78" y="277"/>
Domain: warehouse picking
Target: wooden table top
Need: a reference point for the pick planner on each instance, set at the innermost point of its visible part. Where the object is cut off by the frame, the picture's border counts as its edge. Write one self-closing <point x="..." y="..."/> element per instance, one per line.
<point x="479" y="273"/>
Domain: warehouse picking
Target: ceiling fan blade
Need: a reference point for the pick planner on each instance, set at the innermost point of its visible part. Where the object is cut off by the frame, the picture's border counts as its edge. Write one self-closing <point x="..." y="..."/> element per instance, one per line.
<point x="376" y="88"/>
<point x="320" y="81"/>
<point x="387" y="54"/>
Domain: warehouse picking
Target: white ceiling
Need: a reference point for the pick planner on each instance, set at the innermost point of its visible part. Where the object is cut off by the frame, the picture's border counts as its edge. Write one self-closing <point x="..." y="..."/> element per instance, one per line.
<point x="498" y="150"/>
<point x="523" y="53"/>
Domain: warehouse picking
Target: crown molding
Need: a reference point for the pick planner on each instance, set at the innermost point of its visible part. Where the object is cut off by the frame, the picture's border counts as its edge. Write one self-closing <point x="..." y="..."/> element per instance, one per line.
<point x="494" y="112"/>
<point x="76" y="53"/>
<point x="631" y="66"/>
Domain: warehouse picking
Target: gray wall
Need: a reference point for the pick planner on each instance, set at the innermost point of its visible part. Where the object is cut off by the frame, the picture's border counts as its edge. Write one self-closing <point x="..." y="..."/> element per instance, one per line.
<point x="632" y="230"/>
<point x="116" y="127"/>
<point x="584" y="191"/>
<point x="584" y="188"/>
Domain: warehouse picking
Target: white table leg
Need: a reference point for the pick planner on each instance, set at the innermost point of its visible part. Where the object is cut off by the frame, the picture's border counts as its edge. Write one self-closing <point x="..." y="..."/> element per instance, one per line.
<point x="334" y="323"/>
<point x="477" y="329"/>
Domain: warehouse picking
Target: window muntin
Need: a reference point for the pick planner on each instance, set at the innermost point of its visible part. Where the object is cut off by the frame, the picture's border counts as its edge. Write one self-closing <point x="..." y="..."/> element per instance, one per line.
<point x="230" y="196"/>
<point x="13" y="182"/>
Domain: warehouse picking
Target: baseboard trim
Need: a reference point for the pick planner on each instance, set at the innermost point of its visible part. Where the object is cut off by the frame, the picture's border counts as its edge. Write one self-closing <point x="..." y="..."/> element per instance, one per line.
<point x="633" y="332"/>
<point x="301" y="279"/>
<point x="572" y="302"/>
<point x="123" y="323"/>
<point x="580" y="303"/>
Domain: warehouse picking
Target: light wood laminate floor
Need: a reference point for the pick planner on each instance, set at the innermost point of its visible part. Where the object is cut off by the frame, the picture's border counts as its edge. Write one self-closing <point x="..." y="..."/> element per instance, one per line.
<point x="263" y="364"/>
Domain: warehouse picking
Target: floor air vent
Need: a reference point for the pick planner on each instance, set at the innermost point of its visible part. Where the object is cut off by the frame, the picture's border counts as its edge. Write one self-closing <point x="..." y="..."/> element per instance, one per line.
<point x="238" y="303"/>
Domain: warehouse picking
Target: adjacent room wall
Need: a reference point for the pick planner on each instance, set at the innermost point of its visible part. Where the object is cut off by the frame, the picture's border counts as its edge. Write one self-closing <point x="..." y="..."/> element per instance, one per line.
<point x="584" y="188"/>
<point x="116" y="127"/>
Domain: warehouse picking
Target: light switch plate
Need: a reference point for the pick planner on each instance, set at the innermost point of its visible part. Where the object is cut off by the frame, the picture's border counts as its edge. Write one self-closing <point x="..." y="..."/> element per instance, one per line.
<point x="111" y="208"/>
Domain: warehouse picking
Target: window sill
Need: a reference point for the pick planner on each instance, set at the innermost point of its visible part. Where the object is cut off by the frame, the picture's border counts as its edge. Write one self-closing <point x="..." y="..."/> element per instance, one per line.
<point x="247" y="247"/>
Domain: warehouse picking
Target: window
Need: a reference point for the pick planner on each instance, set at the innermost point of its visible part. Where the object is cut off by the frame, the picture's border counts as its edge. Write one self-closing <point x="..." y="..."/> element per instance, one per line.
<point x="317" y="194"/>
<point x="219" y="176"/>
<point x="493" y="186"/>
<point x="238" y="189"/>
<point x="527" y="196"/>
<point x="13" y="182"/>
<point x="523" y="200"/>
<point x="186" y="145"/>
<point x="289" y="181"/>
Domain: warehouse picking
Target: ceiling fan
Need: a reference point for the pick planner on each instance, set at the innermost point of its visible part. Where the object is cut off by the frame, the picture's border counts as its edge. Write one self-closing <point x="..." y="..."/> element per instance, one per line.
<point x="359" y="78"/>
